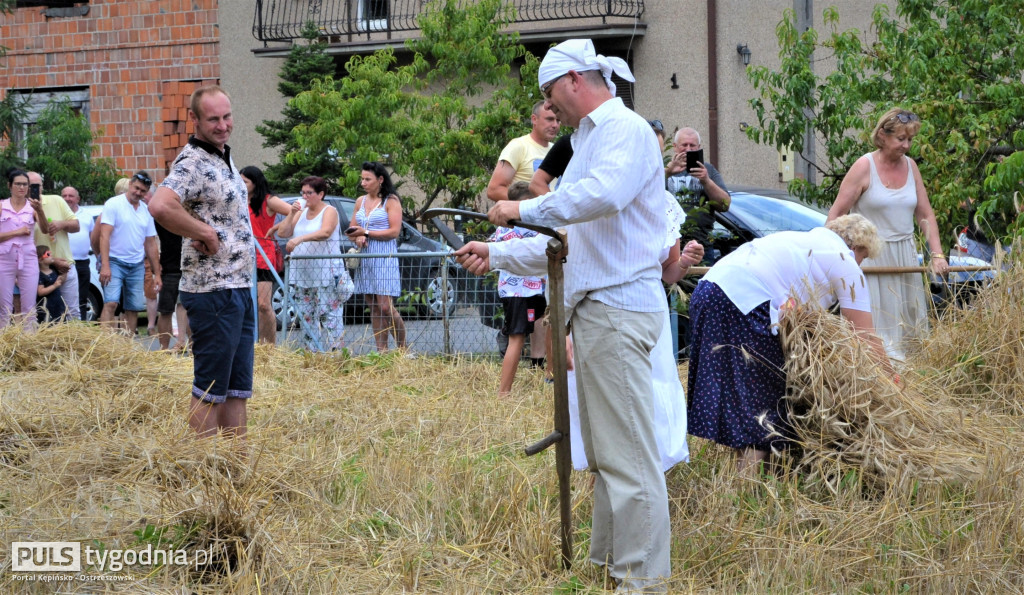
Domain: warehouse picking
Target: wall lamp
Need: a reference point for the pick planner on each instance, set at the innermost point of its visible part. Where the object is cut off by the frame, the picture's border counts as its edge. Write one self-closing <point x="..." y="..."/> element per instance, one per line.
<point x="744" y="52"/>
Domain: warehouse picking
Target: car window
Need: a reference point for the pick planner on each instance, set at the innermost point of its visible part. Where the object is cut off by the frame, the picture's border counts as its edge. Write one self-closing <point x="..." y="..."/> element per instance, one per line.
<point x="345" y="209"/>
<point x="768" y="216"/>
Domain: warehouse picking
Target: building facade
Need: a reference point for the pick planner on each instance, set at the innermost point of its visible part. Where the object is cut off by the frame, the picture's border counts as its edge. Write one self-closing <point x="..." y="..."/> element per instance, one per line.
<point x="689" y="58"/>
<point x="130" y="65"/>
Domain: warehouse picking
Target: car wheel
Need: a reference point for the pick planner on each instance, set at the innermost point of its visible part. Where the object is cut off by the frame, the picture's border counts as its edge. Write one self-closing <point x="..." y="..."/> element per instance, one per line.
<point x="436" y="298"/>
<point x="93" y="306"/>
<point x="277" y="302"/>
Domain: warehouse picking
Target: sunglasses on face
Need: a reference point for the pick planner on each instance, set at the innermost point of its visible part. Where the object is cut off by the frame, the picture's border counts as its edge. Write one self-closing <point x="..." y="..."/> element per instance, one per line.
<point x="546" y="89"/>
<point x="905" y="117"/>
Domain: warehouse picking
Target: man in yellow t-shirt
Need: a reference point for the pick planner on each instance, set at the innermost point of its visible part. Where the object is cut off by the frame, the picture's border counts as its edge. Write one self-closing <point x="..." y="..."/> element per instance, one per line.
<point x="62" y="222"/>
<point x="517" y="162"/>
<point x="522" y="156"/>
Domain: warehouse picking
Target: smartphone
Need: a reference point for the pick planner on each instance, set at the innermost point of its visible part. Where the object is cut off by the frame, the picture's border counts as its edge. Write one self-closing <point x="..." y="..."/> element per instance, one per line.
<point x="694" y="159"/>
<point x="350" y="230"/>
<point x="33" y="191"/>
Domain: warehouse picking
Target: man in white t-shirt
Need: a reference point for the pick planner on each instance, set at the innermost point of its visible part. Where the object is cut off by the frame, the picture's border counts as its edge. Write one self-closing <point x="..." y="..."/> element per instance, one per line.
<point x="127" y="238"/>
<point x="522" y="156"/>
<point x="80" y="245"/>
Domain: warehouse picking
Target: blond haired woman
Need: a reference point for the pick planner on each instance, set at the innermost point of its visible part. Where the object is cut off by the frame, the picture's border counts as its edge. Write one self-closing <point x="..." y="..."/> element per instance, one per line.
<point x="736" y="379"/>
<point x="886" y="187"/>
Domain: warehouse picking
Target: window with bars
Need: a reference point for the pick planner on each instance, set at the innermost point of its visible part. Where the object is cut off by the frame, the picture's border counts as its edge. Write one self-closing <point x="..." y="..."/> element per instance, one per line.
<point x="37" y="100"/>
<point x="373" y="15"/>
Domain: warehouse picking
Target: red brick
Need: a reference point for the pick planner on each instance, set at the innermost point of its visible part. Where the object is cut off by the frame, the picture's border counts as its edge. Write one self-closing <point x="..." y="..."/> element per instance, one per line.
<point x="139" y="73"/>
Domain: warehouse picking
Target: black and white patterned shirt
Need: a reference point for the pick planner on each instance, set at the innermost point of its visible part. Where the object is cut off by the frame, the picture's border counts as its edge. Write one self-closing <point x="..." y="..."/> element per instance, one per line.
<point x="212" y="190"/>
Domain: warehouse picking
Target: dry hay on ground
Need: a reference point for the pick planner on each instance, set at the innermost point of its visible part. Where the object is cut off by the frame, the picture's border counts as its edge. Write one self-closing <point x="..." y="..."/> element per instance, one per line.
<point x="374" y="474"/>
<point x="382" y="474"/>
<point x="977" y="353"/>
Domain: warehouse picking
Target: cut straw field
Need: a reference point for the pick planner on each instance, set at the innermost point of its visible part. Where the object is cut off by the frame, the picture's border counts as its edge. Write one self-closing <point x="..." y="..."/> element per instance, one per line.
<point x="384" y="474"/>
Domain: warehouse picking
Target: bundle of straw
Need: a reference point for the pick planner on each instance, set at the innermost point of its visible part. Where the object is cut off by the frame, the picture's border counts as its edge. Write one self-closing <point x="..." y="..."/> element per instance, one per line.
<point x="978" y="350"/>
<point x="848" y="414"/>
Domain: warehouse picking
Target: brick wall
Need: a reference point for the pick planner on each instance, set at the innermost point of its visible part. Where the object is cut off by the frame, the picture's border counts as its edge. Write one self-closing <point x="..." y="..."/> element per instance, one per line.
<point x="137" y="58"/>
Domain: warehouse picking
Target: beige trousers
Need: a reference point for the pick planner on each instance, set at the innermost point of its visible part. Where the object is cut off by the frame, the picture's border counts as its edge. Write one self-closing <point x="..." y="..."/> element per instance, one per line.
<point x="630" y="531"/>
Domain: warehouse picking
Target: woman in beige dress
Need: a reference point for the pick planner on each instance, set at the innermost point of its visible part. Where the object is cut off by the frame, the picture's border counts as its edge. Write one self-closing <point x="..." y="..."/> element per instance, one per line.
<point x="886" y="187"/>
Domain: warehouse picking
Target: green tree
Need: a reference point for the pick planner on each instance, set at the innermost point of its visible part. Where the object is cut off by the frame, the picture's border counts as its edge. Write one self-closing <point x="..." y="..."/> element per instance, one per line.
<point x="12" y="114"/>
<point x="5" y="8"/>
<point x="305" y="64"/>
<point x="958" y="64"/>
<point x="60" y="146"/>
<point x="426" y="117"/>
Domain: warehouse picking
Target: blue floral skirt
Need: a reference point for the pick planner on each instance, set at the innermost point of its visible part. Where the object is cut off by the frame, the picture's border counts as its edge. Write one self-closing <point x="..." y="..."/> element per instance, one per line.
<point x="736" y="379"/>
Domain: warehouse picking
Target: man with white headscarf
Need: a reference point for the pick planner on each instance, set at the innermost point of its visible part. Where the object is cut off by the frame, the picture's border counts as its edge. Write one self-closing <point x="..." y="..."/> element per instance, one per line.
<point x="611" y="199"/>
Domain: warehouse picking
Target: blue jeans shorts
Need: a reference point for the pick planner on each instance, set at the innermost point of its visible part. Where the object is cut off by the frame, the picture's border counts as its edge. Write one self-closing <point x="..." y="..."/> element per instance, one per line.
<point x="223" y="326"/>
<point x="130" y="276"/>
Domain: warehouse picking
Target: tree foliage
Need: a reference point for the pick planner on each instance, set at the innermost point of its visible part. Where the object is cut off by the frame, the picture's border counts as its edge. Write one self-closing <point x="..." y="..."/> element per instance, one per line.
<point x="425" y="116"/>
<point x="5" y="8"/>
<point x="306" y="63"/>
<point x="60" y="147"/>
<point x="958" y="64"/>
<point x="12" y="114"/>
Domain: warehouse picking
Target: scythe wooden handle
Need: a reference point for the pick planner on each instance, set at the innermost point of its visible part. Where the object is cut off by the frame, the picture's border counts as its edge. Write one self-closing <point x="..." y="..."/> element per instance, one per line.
<point x="878" y="270"/>
<point x="557" y="250"/>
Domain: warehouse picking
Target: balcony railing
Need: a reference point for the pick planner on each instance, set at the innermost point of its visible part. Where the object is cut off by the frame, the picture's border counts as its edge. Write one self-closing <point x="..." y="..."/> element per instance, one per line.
<point x="282" y="20"/>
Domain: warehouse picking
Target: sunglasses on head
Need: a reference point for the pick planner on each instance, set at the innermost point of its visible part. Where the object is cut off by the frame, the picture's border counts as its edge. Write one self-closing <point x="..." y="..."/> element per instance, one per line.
<point x="143" y="178"/>
<point x="905" y="117"/>
<point x="657" y="125"/>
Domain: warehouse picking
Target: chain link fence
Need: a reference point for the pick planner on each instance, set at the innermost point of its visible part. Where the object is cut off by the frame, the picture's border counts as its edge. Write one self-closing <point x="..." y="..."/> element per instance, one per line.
<point x="439" y="307"/>
<point x="444" y="310"/>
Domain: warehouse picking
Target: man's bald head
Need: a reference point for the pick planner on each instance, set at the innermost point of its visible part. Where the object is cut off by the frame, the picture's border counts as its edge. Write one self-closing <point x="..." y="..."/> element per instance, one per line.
<point x="71" y="196"/>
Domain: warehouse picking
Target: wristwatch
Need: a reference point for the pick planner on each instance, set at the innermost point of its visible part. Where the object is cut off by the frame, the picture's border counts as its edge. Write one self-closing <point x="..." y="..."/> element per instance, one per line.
<point x="366" y="232"/>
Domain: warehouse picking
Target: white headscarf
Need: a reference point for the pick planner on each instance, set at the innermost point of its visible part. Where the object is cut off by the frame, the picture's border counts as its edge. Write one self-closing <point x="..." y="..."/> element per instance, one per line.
<point x="579" y="55"/>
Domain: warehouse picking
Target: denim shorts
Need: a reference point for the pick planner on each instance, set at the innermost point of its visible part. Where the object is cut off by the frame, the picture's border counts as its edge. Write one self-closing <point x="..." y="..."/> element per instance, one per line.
<point x="131" y="277"/>
<point x="223" y="326"/>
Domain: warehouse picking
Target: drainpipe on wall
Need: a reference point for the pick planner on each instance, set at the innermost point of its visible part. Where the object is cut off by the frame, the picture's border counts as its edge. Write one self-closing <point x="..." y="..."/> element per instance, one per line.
<point x="711" y="141"/>
<point x="805" y="20"/>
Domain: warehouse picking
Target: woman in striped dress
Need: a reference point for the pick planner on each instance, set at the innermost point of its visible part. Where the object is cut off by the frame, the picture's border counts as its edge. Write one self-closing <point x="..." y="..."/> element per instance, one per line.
<point x="376" y="223"/>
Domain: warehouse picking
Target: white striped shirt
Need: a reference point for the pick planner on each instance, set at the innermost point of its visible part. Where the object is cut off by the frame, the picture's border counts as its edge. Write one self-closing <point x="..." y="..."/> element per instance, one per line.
<point x="611" y="197"/>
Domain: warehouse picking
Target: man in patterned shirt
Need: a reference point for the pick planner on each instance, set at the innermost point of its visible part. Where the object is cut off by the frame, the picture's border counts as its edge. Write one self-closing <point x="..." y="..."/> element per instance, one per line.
<point x="204" y="200"/>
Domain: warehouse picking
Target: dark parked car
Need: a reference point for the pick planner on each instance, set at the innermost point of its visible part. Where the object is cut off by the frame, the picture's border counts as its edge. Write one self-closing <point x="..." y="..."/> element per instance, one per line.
<point x="422" y="279"/>
<point x="753" y="216"/>
<point x="750" y="216"/>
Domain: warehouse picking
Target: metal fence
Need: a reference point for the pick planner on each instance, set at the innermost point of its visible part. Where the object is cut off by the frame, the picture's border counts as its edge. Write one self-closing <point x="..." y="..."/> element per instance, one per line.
<point x="441" y="309"/>
<point x="452" y="312"/>
<point x="282" y="20"/>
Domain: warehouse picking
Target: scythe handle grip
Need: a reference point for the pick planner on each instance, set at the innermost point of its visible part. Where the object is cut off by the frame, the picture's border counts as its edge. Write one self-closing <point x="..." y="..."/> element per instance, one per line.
<point x="545" y="442"/>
